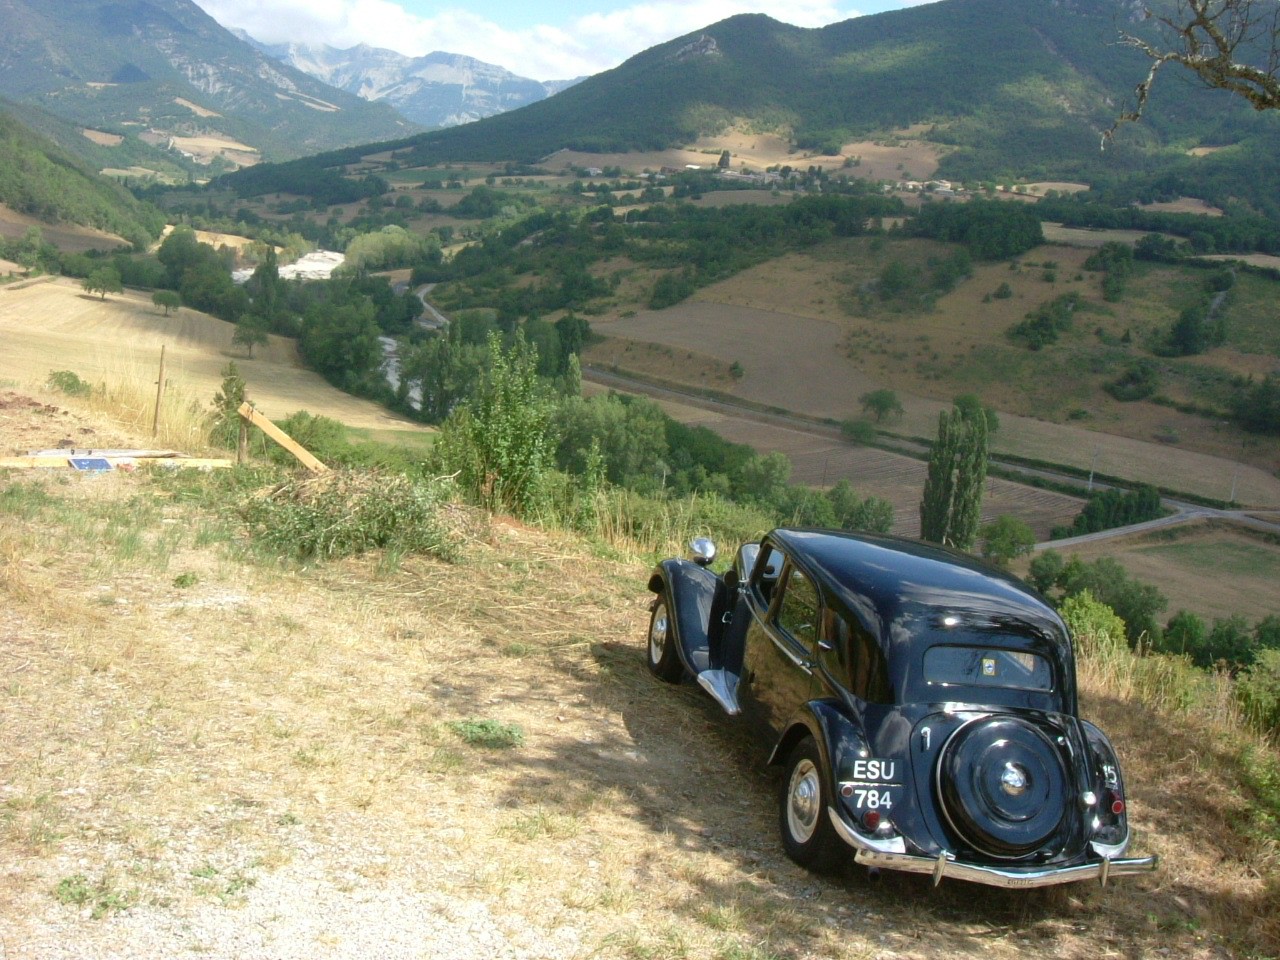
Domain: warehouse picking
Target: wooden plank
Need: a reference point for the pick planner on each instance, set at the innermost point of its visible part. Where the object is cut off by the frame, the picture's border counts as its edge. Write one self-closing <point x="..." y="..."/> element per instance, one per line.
<point x="62" y="463"/>
<point x="279" y="436"/>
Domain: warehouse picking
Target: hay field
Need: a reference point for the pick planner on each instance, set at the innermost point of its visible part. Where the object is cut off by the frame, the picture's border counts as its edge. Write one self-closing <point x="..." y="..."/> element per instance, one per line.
<point x="55" y="326"/>
<point x="1243" y="568"/>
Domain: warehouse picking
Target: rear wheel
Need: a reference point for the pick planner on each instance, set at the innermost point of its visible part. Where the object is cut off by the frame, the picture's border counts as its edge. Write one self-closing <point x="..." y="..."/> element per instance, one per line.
<point x="807" y="834"/>
<point x="664" y="659"/>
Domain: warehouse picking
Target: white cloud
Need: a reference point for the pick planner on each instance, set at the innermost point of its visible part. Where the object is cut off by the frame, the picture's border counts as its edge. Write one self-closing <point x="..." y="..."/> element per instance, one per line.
<point x="585" y="45"/>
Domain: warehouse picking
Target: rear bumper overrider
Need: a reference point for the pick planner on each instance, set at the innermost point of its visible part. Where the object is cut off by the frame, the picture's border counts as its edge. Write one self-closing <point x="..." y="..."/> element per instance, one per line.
<point x="945" y="865"/>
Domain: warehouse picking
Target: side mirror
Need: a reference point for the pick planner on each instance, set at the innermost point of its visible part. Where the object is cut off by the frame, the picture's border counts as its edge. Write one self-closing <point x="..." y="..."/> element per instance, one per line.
<point x="703" y="550"/>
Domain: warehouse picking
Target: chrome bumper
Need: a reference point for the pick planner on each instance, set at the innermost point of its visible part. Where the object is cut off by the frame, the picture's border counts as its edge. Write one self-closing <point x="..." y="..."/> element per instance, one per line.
<point x="1013" y="878"/>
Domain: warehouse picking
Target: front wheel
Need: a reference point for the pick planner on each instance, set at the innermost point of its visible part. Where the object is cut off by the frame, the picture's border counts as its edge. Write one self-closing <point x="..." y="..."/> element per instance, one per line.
<point x="664" y="659"/>
<point x="807" y="834"/>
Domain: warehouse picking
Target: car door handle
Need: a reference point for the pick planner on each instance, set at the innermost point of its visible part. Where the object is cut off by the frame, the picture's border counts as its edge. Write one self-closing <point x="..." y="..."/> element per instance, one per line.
<point x="825" y="646"/>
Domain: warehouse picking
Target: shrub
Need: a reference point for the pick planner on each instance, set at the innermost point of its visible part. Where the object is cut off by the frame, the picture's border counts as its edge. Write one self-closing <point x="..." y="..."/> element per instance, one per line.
<point x="1258" y="691"/>
<point x="491" y="734"/>
<point x="68" y="382"/>
<point x="341" y="514"/>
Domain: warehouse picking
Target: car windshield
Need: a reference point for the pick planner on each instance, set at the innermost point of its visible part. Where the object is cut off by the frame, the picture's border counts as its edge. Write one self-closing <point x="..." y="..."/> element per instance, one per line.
<point x="987" y="667"/>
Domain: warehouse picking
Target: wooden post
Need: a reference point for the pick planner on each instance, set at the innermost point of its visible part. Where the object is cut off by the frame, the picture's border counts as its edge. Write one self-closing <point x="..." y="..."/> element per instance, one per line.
<point x="242" y="442"/>
<point x="155" y="420"/>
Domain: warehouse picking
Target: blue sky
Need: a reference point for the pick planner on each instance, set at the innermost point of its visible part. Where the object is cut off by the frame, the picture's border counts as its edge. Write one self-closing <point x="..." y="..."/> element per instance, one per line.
<point x="546" y="40"/>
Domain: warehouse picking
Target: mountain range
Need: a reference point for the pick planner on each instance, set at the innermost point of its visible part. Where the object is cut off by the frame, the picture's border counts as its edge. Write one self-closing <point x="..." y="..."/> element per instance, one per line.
<point x="163" y="74"/>
<point x="1011" y="88"/>
<point x="436" y="90"/>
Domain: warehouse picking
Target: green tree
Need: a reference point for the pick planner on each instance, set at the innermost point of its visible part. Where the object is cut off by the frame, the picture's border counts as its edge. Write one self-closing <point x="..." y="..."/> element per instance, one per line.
<point x="498" y="442"/>
<point x="970" y="406"/>
<point x="1137" y="604"/>
<point x="1185" y="633"/>
<point x="1045" y="569"/>
<point x="952" y="502"/>
<point x="881" y="403"/>
<point x="167" y="300"/>
<point x="896" y="280"/>
<point x="226" y="404"/>
<point x="1006" y="538"/>
<point x="765" y="479"/>
<point x="250" y="332"/>
<point x="102" y="281"/>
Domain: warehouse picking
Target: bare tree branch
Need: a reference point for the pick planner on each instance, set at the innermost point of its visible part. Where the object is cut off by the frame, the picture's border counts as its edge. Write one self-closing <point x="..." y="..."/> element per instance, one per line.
<point x="1216" y="40"/>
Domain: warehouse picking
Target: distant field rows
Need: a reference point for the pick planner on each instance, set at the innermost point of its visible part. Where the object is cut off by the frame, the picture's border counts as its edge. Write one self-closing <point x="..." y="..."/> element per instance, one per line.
<point x="800" y="363"/>
<point x="55" y="326"/>
<point x="898" y="479"/>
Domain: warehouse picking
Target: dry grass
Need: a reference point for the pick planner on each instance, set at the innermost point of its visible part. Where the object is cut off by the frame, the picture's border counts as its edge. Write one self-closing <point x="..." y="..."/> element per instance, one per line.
<point x="208" y="749"/>
<point x="54" y="326"/>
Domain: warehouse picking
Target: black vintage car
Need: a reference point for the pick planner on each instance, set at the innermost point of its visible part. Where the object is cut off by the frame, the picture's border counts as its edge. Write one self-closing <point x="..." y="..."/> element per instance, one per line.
<point x="922" y="705"/>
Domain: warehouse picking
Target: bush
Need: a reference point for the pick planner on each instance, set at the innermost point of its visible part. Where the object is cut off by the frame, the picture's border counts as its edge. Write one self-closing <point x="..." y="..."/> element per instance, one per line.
<point x="341" y="514"/>
<point x="1258" y="691"/>
<point x="68" y="382"/>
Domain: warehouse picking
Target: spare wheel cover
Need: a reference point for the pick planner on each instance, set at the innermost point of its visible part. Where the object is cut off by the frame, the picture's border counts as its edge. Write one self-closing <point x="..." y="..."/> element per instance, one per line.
<point x="1002" y="785"/>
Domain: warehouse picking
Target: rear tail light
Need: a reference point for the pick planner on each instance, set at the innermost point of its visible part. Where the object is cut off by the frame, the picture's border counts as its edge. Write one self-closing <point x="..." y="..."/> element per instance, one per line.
<point x="1116" y="803"/>
<point x="871" y="819"/>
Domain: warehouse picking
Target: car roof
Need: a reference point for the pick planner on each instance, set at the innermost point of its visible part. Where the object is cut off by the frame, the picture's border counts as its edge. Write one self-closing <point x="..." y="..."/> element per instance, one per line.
<point x="888" y="581"/>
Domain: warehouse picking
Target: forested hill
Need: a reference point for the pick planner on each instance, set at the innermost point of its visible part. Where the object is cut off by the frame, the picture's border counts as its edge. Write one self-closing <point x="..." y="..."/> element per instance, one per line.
<point x="1017" y="87"/>
<point x="166" y="67"/>
<point x="40" y="179"/>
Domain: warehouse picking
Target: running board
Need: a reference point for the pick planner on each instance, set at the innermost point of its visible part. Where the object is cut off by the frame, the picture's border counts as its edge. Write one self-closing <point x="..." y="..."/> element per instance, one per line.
<point x="723" y="687"/>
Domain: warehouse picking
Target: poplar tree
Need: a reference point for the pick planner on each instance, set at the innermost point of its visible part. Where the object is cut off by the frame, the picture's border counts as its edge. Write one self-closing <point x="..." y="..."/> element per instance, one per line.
<point x="952" y="502"/>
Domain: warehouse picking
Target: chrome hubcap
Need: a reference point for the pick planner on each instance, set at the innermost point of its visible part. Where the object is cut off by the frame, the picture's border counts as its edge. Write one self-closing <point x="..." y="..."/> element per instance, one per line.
<point x="658" y="633"/>
<point x="803" y="795"/>
<point x="1014" y="779"/>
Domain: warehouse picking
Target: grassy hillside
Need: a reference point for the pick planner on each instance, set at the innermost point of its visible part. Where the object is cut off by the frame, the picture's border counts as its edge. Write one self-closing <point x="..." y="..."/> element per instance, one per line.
<point x="42" y="180"/>
<point x="1015" y="88"/>
<point x="207" y="749"/>
<point x="55" y="326"/>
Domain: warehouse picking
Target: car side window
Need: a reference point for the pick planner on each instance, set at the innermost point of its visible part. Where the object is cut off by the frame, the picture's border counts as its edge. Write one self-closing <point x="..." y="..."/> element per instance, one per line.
<point x="854" y="659"/>
<point x="799" y="610"/>
<point x="764" y="576"/>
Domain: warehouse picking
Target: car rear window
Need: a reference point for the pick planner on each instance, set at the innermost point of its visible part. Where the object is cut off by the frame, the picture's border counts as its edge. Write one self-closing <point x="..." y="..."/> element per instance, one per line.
<point x="987" y="667"/>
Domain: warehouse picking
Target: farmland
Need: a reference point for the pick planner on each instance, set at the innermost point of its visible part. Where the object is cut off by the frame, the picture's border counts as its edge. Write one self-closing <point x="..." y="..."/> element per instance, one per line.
<point x="55" y="326"/>
<point x="1245" y="566"/>
<point x="796" y="363"/>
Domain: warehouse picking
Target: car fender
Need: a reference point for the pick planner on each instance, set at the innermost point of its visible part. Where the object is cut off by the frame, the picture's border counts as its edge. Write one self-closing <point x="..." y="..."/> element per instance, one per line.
<point x="689" y="590"/>
<point x="837" y="736"/>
